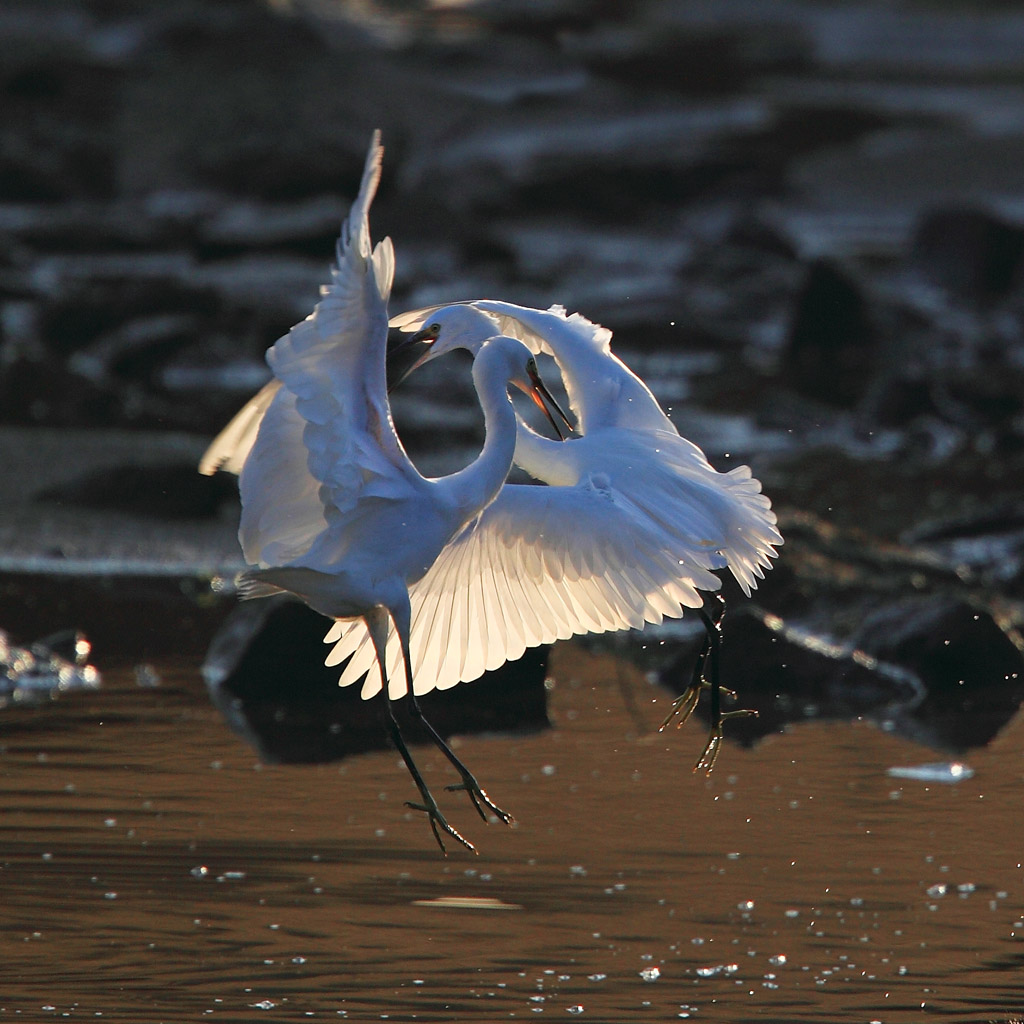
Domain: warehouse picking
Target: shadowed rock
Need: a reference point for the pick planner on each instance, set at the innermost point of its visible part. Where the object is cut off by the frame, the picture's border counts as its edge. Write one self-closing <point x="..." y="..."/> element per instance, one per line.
<point x="265" y="672"/>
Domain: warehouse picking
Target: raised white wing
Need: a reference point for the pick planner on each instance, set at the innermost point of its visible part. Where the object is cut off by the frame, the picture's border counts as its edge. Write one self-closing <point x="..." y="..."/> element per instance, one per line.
<point x="530" y="326"/>
<point x="329" y="425"/>
<point x="542" y="563"/>
<point x="282" y="513"/>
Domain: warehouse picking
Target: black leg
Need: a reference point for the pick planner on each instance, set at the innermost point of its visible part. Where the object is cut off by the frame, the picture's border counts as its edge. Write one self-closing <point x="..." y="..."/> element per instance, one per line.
<point x="377" y="623"/>
<point x="685" y="704"/>
<point x="713" y="627"/>
<point x="707" y="665"/>
<point x="429" y="805"/>
<point x="476" y="792"/>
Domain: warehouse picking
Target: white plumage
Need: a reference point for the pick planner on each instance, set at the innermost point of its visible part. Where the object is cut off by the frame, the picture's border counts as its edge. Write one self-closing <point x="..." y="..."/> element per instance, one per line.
<point x="333" y="510"/>
<point x="629" y="531"/>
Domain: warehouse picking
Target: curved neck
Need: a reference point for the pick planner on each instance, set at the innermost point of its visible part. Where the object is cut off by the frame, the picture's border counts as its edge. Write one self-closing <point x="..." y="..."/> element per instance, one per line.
<point x="473" y="488"/>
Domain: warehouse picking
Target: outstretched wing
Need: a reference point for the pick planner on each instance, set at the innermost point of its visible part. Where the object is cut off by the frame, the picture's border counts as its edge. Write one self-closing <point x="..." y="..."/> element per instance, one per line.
<point x="537" y="565"/>
<point x="530" y="326"/>
<point x="631" y="543"/>
<point x="331" y="369"/>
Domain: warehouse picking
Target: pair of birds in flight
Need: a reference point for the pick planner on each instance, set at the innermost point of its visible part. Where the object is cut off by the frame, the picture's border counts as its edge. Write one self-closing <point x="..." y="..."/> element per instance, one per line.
<point x="432" y="582"/>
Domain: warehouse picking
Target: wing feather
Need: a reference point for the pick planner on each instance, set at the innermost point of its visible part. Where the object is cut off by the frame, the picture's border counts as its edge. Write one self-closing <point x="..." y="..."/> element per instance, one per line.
<point x="333" y="362"/>
<point x="514" y="578"/>
<point x="230" y="448"/>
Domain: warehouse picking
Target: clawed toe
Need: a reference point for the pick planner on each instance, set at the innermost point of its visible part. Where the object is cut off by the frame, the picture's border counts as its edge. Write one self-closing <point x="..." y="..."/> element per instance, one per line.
<point x="685" y="704"/>
<point x="437" y="819"/>
<point x="709" y="755"/>
<point x="682" y="707"/>
<point x="481" y="800"/>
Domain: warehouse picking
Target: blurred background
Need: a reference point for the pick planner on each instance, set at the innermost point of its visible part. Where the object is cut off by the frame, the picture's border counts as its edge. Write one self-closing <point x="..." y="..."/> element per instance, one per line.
<point x="804" y="223"/>
<point x="803" y="220"/>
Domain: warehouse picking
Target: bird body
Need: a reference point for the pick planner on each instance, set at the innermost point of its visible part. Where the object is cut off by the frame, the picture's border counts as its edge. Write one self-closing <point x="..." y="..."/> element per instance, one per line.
<point x="379" y="524"/>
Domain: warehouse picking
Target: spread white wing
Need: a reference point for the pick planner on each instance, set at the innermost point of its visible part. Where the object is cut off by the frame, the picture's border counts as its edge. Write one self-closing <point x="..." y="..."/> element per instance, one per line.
<point x="326" y="438"/>
<point x="230" y="448"/>
<point x="542" y="563"/>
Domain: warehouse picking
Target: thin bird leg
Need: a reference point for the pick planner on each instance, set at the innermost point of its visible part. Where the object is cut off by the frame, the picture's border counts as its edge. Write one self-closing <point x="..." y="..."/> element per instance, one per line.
<point x="476" y="792"/>
<point x="378" y="624"/>
<point x="686" y="702"/>
<point x="713" y="627"/>
<point x="429" y="805"/>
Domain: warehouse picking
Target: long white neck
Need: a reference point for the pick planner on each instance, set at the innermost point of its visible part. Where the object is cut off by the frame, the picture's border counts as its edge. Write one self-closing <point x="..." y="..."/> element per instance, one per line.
<point x="473" y="488"/>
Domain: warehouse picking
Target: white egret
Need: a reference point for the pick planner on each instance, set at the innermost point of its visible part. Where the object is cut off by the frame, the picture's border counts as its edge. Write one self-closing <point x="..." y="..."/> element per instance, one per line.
<point x="632" y="528"/>
<point x="333" y="510"/>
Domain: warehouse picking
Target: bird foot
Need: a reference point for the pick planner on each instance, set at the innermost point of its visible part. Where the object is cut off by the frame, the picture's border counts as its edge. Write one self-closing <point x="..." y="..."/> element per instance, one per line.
<point x="709" y="755"/>
<point x="437" y="820"/>
<point x="480" y="799"/>
<point x="683" y="706"/>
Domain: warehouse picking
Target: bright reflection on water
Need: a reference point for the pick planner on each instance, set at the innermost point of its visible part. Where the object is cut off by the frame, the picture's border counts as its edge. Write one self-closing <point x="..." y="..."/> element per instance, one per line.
<point x="150" y="870"/>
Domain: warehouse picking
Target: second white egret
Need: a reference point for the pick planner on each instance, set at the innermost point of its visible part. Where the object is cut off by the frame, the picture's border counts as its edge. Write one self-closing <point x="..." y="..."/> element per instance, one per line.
<point x="633" y="526"/>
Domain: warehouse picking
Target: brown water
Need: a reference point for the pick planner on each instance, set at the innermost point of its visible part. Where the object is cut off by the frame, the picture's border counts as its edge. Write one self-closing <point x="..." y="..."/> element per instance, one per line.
<point x="150" y="870"/>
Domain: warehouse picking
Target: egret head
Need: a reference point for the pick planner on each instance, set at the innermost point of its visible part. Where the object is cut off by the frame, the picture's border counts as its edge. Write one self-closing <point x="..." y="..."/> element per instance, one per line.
<point x="514" y="362"/>
<point x="445" y="329"/>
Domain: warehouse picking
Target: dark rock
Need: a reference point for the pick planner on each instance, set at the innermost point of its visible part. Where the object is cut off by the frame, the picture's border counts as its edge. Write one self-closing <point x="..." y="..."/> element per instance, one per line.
<point x="971" y="672"/>
<point x="265" y="672"/>
<point x="789" y="675"/>
<point x="933" y="669"/>
<point x="830" y="352"/>
<point x="972" y="253"/>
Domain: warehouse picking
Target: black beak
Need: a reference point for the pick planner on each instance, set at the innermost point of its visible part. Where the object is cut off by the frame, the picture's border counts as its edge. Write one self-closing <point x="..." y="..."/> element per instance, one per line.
<point x="407" y="354"/>
<point x="546" y="402"/>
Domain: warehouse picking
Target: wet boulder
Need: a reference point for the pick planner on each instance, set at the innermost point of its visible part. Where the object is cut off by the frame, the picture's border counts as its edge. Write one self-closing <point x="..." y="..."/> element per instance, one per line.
<point x="934" y="669"/>
<point x="788" y="674"/>
<point x="829" y="355"/>
<point x="265" y="672"/>
<point x="971" y="674"/>
<point x="971" y="253"/>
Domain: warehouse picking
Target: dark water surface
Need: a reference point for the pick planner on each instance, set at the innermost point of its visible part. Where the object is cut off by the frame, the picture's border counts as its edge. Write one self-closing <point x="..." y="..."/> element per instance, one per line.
<point x="151" y="870"/>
